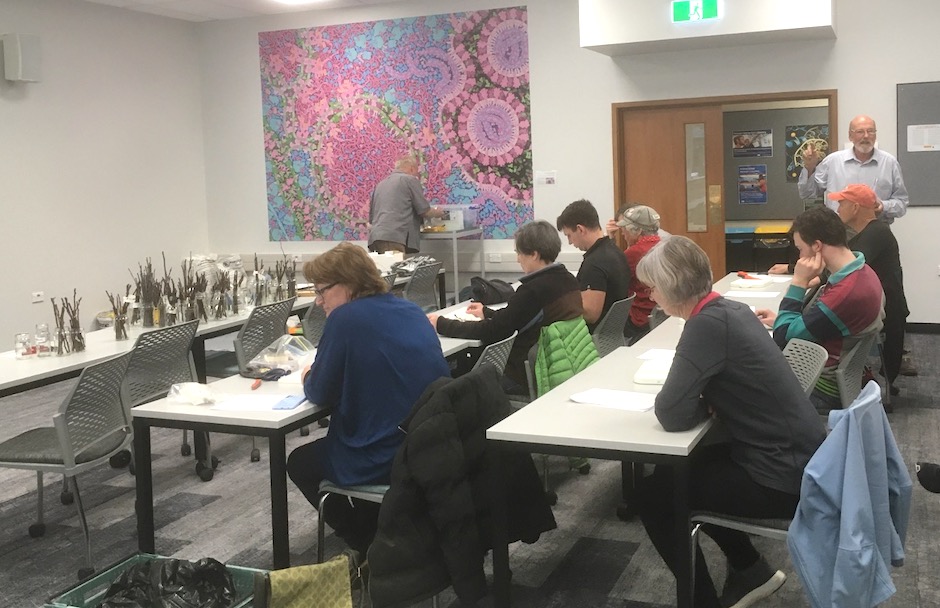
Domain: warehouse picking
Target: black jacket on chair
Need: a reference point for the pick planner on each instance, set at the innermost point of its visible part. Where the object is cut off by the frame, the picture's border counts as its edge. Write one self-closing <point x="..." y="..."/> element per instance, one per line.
<point x="435" y="522"/>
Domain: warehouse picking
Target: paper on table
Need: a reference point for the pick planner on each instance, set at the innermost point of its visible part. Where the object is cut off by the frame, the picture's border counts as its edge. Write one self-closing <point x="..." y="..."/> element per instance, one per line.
<point x="781" y="279"/>
<point x="653" y="371"/>
<point x="620" y="400"/>
<point x="462" y="315"/>
<point x="246" y="403"/>
<point x="658" y="353"/>
<point x="744" y="293"/>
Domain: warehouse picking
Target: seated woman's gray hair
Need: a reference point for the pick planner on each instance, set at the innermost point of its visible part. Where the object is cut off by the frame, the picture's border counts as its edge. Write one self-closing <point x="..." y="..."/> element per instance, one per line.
<point x="678" y="269"/>
<point x="539" y="237"/>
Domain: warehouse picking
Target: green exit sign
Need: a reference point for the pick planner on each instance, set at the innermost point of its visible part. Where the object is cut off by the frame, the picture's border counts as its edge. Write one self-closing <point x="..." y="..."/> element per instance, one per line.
<point x="694" y="10"/>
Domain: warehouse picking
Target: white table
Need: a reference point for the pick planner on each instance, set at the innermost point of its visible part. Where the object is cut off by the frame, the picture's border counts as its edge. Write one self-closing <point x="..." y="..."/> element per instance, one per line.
<point x="17" y="375"/>
<point x="452" y="236"/>
<point x="273" y="424"/>
<point x="553" y="424"/>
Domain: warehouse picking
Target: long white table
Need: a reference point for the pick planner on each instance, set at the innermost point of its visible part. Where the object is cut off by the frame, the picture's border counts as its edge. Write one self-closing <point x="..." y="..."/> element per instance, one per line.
<point x="17" y="375"/>
<point x="273" y="424"/>
<point x="553" y="424"/>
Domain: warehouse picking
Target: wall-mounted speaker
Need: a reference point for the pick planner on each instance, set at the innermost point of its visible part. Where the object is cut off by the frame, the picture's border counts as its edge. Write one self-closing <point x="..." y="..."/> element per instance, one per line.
<point x="21" y="57"/>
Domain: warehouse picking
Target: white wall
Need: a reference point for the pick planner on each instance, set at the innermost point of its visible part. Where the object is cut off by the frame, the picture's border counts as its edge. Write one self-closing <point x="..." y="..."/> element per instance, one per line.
<point x="101" y="163"/>
<point x="572" y="91"/>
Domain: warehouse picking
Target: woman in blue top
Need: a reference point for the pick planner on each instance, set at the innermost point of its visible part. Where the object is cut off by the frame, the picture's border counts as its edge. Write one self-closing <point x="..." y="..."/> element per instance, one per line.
<point x="375" y="358"/>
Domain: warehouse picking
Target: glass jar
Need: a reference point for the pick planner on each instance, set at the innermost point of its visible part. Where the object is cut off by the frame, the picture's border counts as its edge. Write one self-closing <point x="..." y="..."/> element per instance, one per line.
<point x="60" y="342"/>
<point x="41" y="340"/>
<point x="22" y="346"/>
<point x="77" y="339"/>
<point x="146" y="313"/>
<point x="120" y="327"/>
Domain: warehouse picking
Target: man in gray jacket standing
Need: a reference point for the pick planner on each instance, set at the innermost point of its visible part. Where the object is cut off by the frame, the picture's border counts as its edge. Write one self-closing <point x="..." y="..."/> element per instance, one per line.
<point x="397" y="208"/>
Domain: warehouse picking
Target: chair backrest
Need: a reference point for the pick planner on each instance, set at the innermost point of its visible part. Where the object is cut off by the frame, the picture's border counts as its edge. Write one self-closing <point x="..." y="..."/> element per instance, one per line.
<point x="807" y="360"/>
<point x="92" y="421"/>
<point x="852" y="367"/>
<point x="390" y="280"/>
<point x="265" y="324"/>
<point x="420" y="287"/>
<point x="160" y="359"/>
<point x="497" y="353"/>
<point x="608" y="335"/>
<point x="657" y="316"/>
<point x="313" y="323"/>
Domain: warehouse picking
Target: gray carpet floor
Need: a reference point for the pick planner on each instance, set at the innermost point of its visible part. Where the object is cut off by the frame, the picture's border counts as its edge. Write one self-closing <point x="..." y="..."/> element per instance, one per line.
<point x="592" y="560"/>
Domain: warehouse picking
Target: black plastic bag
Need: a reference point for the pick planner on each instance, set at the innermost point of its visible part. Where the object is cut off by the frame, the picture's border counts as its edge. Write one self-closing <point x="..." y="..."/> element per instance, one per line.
<point x="490" y="291"/>
<point x="172" y="583"/>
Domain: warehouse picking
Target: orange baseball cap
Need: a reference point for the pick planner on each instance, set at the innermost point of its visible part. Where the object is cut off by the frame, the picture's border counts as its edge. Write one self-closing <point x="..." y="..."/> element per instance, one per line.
<point x="856" y="193"/>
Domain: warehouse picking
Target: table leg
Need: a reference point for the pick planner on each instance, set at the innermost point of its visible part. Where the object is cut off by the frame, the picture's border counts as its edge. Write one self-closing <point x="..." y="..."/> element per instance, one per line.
<point x="456" y="271"/>
<point x="144" y="482"/>
<point x="279" y="523"/>
<point x="199" y="358"/>
<point x="442" y="290"/>
<point x="482" y="256"/>
<point x="502" y="576"/>
<point x="684" y="590"/>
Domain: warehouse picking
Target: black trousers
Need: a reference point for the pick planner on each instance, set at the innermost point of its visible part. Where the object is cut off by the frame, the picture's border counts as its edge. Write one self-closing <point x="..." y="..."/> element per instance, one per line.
<point x="893" y="344"/>
<point x="715" y="484"/>
<point x="353" y="520"/>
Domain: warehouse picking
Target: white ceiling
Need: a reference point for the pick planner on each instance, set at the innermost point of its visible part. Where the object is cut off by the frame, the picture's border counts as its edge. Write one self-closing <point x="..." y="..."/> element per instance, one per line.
<point x="213" y="10"/>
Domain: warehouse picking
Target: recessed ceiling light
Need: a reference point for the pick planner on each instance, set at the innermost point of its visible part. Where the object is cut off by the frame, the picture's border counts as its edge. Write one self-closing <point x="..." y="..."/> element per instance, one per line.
<point x="300" y="2"/>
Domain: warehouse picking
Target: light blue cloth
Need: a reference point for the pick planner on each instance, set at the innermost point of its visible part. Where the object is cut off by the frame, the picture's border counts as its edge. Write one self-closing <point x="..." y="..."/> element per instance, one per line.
<point x="881" y="173"/>
<point x="853" y="512"/>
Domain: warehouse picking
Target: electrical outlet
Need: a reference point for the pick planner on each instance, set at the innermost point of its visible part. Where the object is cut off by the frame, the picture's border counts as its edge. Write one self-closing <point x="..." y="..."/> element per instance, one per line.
<point x="38" y="296"/>
<point x="494" y="257"/>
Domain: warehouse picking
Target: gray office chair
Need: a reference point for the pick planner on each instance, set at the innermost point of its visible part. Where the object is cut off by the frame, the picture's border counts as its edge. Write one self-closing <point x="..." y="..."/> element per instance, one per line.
<point x="497" y="354"/>
<point x="264" y="325"/>
<point x="420" y="288"/>
<point x="807" y="360"/>
<point x="608" y="334"/>
<point x="313" y="323"/>
<point x="90" y="426"/>
<point x="851" y="369"/>
<point x="371" y="493"/>
<point x="161" y="358"/>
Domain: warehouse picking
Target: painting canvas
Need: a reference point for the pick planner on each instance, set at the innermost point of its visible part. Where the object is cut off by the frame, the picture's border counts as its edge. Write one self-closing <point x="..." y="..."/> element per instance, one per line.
<point x="341" y="103"/>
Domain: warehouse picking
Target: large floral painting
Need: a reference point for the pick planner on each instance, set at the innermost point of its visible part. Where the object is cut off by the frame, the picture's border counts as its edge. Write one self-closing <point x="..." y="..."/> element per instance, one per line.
<point x="342" y="103"/>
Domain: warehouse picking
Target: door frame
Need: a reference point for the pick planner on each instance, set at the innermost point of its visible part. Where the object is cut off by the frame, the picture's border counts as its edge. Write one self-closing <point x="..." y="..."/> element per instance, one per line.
<point x="618" y="111"/>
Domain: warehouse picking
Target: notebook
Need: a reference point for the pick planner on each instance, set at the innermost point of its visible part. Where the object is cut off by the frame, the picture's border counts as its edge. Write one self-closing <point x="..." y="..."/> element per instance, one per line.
<point x="652" y="371"/>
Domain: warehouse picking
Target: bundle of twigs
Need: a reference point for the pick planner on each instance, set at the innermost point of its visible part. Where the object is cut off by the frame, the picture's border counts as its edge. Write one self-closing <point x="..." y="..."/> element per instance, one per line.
<point x="259" y="281"/>
<point x="280" y="269"/>
<point x="62" y="341"/>
<point x="75" y="326"/>
<point x="200" y="284"/>
<point x="237" y="280"/>
<point x="119" y="308"/>
<point x="221" y="287"/>
<point x="292" y="280"/>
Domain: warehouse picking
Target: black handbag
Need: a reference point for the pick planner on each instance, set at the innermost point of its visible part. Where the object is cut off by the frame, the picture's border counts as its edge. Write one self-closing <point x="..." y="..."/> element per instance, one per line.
<point x="490" y="291"/>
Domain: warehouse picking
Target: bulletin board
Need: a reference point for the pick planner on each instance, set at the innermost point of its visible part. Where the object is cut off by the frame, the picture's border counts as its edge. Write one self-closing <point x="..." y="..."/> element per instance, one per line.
<point x="919" y="155"/>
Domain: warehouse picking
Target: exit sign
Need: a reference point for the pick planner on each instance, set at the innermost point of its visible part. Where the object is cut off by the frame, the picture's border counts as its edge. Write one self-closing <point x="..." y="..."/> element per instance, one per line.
<point x="694" y="10"/>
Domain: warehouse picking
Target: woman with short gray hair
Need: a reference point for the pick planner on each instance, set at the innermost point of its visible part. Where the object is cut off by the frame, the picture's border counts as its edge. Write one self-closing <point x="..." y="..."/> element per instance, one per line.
<point x="725" y="366"/>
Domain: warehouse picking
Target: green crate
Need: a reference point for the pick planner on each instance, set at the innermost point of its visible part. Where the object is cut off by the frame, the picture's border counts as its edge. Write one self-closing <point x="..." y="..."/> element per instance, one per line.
<point x="89" y="593"/>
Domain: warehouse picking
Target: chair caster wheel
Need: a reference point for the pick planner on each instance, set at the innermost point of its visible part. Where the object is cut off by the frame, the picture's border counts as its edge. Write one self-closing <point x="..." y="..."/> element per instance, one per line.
<point x="625" y="511"/>
<point x="66" y="497"/>
<point x="120" y="460"/>
<point x="584" y="469"/>
<point x="323" y="423"/>
<point x="85" y="573"/>
<point x="205" y="473"/>
<point x="186" y="449"/>
<point x="255" y="455"/>
<point x="37" y="530"/>
<point x="551" y="497"/>
<point x="304" y="431"/>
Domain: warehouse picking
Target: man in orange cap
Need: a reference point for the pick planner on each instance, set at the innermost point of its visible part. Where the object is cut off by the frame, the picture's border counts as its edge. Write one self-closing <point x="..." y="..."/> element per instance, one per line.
<point x="856" y="209"/>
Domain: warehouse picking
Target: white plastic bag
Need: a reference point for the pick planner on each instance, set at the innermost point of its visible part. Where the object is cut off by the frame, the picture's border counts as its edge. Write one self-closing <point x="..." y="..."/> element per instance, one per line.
<point x="190" y="393"/>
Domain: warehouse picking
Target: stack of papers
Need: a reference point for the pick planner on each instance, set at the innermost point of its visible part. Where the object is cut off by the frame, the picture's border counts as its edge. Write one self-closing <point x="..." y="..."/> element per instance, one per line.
<point x="756" y="282"/>
<point x="620" y="400"/>
<point x="655" y="367"/>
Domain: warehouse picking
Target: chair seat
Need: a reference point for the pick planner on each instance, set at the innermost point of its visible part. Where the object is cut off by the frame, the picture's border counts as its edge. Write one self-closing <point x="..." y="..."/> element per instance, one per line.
<point x="371" y="493"/>
<point x="41" y="446"/>
<point x="771" y="527"/>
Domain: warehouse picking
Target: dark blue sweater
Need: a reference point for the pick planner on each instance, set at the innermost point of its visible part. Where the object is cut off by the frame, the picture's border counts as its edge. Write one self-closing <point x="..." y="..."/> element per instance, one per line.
<point x="376" y="357"/>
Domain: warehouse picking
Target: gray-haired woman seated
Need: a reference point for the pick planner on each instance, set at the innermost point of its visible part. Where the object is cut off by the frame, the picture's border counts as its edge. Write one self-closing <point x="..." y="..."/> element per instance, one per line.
<point x="725" y="366"/>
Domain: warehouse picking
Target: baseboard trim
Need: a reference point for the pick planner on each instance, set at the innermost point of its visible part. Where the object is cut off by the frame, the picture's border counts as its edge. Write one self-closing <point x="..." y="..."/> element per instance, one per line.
<point x="923" y="328"/>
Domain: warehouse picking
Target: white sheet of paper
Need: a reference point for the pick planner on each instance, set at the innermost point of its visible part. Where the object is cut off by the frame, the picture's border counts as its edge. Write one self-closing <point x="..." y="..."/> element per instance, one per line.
<point x="658" y="353"/>
<point x="653" y="371"/>
<point x="462" y="315"/>
<point x="620" y="400"/>
<point x="781" y="279"/>
<point x="246" y="403"/>
<point x="746" y="293"/>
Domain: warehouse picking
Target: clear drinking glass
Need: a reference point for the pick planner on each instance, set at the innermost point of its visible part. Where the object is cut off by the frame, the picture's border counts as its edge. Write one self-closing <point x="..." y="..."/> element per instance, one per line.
<point x="22" y="346"/>
<point x="41" y="340"/>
